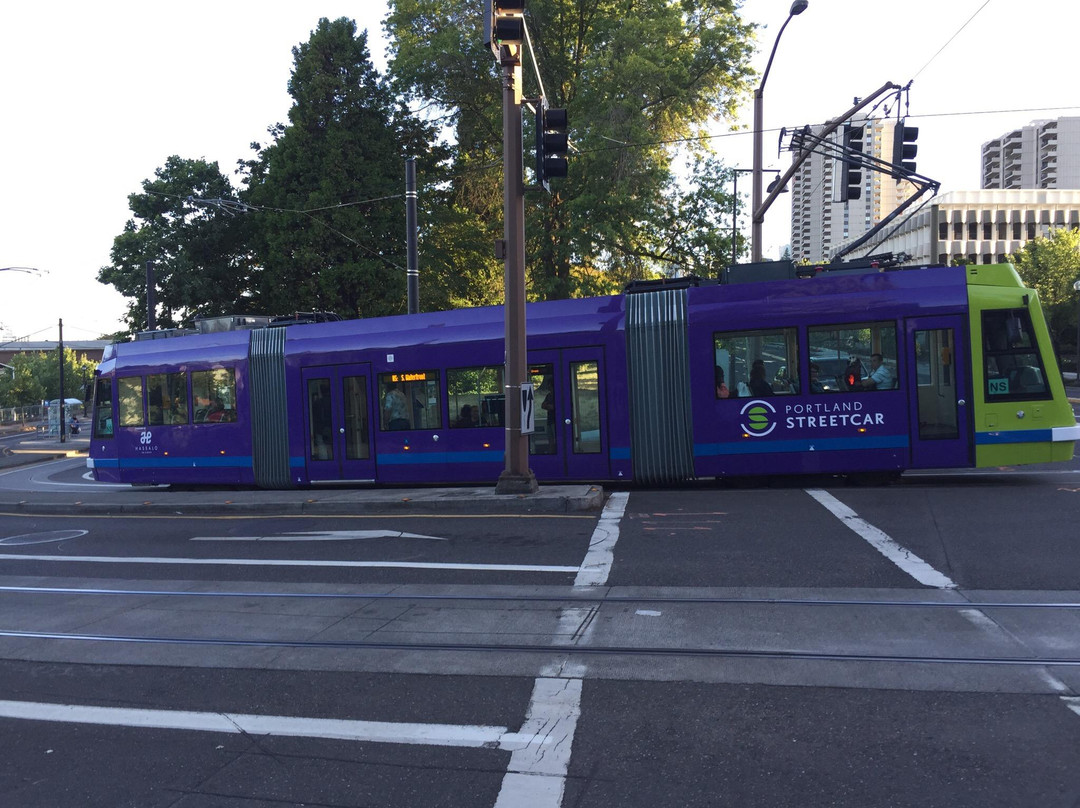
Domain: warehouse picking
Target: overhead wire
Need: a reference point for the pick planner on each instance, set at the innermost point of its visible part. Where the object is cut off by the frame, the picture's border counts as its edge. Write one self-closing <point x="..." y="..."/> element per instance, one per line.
<point x="950" y="40"/>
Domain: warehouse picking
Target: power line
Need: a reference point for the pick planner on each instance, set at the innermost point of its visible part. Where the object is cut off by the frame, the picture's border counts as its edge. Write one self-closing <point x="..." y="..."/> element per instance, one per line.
<point x="949" y="42"/>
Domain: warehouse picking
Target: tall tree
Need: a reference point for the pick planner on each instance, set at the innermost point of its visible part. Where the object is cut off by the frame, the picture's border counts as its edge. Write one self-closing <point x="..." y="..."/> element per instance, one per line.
<point x="635" y="77"/>
<point x="35" y="377"/>
<point x="201" y="263"/>
<point x="330" y="184"/>
<point x="1051" y="266"/>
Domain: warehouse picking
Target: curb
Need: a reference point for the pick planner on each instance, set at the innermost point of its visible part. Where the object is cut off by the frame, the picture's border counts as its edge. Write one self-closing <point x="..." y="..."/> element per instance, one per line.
<point x="403" y="506"/>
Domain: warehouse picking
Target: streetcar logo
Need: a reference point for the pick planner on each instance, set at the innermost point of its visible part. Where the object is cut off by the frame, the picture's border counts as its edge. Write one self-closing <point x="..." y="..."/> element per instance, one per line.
<point x="758" y="418"/>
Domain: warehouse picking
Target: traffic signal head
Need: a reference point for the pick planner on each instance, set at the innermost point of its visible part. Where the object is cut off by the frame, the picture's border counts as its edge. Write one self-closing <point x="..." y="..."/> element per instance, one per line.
<point x="850" y="162"/>
<point x="503" y="23"/>
<point x="904" y="150"/>
<point x="552" y="143"/>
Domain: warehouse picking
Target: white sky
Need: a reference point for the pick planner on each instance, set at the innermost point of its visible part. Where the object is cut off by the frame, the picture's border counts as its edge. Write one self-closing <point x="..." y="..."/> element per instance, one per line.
<point x="98" y="95"/>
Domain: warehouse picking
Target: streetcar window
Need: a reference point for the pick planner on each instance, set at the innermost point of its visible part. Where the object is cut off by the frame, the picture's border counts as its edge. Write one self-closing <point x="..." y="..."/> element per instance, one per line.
<point x="103" y="414"/>
<point x="471" y="393"/>
<point x="320" y="420"/>
<point x="1013" y="367"/>
<point x="542" y="441"/>
<point x="166" y="396"/>
<point x="756" y="363"/>
<point x="854" y="357"/>
<point x="410" y="400"/>
<point x="585" y="403"/>
<point x="129" y="392"/>
<point x="213" y="395"/>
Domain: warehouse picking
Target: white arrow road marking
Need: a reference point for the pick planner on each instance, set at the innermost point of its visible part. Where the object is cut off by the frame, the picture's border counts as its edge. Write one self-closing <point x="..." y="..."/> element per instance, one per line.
<point x="324" y="535"/>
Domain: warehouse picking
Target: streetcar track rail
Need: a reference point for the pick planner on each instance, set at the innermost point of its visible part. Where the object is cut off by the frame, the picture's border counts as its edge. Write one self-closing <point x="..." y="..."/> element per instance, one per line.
<point x="574" y="598"/>
<point x="551" y="648"/>
<point x="572" y="646"/>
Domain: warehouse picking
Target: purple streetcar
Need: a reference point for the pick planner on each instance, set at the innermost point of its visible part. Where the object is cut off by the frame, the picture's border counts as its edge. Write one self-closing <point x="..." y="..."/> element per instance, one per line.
<point x="853" y="371"/>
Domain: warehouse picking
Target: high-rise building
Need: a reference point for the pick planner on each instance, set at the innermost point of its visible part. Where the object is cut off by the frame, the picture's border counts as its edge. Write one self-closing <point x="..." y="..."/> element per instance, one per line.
<point x="1043" y="154"/>
<point x="820" y="222"/>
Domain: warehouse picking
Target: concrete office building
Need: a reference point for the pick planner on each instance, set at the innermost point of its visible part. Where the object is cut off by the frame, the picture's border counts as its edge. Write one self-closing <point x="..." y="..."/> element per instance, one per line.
<point x="1043" y="154"/>
<point x="820" y="223"/>
<point x="978" y="227"/>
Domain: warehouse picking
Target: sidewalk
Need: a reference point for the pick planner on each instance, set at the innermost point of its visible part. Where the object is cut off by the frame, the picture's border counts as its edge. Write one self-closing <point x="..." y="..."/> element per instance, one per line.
<point x="88" y="498"/>
<point x="35" y="448"/>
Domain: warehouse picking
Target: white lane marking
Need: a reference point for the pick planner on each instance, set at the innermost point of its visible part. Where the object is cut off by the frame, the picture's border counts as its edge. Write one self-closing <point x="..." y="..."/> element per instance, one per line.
<point x="983" y="621"/>
<point x="536" y="776"/>
<point x="883" y="543"/>
<point x="1072" y="702"/>
<point x="323" y="535"/>
<point x="475" y="736"/>
<point x="30" y="472"/>
<point x="596" y="565"/>
<point x="42" y="538"/>
<point x="288" y="562"/>
<point x="648" y="613"/>
<point x="1055" y="683"/>
<point x="979" y="619"/>
<point x="576" y="624"/>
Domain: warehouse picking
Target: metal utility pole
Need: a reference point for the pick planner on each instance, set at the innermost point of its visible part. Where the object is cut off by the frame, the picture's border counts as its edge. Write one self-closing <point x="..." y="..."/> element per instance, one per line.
<point x="758" y="212"/>
<point x="412" y="267"/>
<point x="151" y="302"/>
<point x="517" y="477"/>
<point x="61" y="414"/>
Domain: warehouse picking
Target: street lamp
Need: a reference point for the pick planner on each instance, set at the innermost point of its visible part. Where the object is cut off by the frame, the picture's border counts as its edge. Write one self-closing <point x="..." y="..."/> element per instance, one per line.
<point x="31" y="270"/>
<point x="798" y="7"/>
<point x="1076" y="287"/>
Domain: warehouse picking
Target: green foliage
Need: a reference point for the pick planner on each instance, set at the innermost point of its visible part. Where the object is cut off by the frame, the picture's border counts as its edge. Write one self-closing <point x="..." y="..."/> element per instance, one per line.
<point x="199" y="253"/>
<point x="1050" y="266"/>
<point x="37" y="378"/>
<point x="631" y="81"/>
<point x="321" y="220"/>
<point x="317" y="222"/>
<point x="332" y="180"/>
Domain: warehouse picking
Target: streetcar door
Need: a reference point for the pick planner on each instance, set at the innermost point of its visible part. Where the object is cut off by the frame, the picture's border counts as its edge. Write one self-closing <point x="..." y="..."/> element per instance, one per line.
<point x="937" y="388"/>
<point x="338" y="422"/>
<point x="571" y="438"/>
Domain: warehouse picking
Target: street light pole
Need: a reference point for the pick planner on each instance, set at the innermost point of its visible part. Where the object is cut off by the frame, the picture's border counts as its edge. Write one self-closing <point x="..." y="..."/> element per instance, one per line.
<point x="798" y="7"/>
<point x="1076" y="287"/>
<point x="735" y="172"/>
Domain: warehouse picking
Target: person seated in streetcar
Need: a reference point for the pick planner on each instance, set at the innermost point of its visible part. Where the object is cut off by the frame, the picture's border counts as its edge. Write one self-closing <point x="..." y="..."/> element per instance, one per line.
<point x="759" y="385"/>
<point x="465" y="419"/>
<point x="880" y="378"/>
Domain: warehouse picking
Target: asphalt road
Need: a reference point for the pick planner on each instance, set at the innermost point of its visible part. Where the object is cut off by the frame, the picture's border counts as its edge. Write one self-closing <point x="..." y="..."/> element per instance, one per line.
<point x="807" y="644"/>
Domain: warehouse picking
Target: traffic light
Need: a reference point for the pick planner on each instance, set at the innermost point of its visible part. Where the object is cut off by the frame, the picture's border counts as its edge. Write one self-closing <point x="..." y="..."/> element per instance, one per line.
<point x="904" y="150"/>
<point x="552" y="143"/>
<point x="850" y="162"/>
<point x="503" y="23"/>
